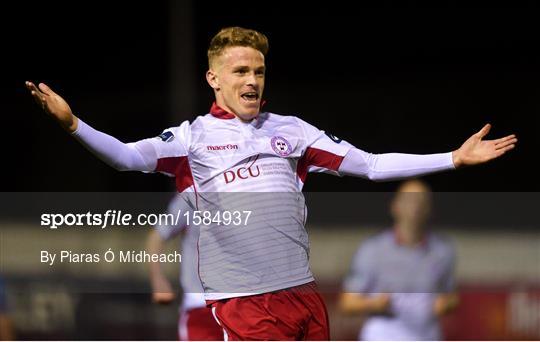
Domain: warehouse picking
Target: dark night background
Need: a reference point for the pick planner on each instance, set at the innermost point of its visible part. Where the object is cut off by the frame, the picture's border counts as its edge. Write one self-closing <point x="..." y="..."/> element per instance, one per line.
<point x="386" y="79"/>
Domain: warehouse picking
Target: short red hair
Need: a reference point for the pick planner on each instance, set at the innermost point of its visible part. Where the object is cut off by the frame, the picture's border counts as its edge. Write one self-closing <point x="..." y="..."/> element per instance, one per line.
<point x="236" y="36"/>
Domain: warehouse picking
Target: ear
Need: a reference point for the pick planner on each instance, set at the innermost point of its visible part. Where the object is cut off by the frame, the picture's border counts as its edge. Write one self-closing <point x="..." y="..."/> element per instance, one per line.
<point x="212" y="79"/>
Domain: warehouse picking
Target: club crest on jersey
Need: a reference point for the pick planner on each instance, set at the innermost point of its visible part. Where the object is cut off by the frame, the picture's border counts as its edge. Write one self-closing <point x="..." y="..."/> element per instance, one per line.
<point x="334" y="138"/>
<point x="281" y="146"/>
<point x="166" y="136"/>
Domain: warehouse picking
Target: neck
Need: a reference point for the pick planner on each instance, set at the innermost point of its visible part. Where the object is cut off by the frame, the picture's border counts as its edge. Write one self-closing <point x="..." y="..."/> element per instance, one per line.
<point x="223" y="106"/>
<point x="409" y="233"/>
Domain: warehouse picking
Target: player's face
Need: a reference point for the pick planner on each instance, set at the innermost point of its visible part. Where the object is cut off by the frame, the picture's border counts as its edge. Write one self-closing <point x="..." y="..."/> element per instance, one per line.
<point x="237" y="77"/>
<point x="412" y="205"/>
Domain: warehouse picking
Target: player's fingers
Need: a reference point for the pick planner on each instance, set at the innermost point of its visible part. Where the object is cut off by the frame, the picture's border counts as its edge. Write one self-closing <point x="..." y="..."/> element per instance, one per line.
<point x="37" y="96"/>
<point x="40" y="99"/>
<point x="32" y="87"/>
<point x="507" y="148"/>
<point x="502" y="151"/>
<point x="29" y="85"/>
<point x="484" y="131"/>
<point x="45" y="89"/>
<point x="506" y="143"/>
<point x="505" y="139"/>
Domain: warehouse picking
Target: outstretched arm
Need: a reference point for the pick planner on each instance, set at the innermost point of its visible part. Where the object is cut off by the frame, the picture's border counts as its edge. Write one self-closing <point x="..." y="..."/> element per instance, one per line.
<point x="391" y="166"/>
<point x="140" y="156"/>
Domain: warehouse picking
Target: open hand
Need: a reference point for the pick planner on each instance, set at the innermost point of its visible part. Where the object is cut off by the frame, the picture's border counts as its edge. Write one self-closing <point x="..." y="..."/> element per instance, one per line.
<point x="476" y="151"/>
<point x="54" y="105"/>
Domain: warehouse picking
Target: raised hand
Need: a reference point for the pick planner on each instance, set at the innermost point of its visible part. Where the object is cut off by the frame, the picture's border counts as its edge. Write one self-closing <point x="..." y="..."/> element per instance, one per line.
<point x="476" y="151"/>
<point x="162" y="292"/>
<point x="54" y="105"/>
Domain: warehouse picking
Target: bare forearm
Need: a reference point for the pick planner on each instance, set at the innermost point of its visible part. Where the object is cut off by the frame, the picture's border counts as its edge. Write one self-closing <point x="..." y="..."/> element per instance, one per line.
<point x="154" y="245"/>
<point x="355" y="303"/>
<point x="162" y="291"/>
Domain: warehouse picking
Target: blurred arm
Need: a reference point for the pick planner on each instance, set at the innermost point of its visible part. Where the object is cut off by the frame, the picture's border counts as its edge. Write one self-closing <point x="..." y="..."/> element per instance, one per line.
<point x="357" y="303"/>
<point x="7" y="332"/>
<point x="162" y="292"/>
<point x="445" y="303"/>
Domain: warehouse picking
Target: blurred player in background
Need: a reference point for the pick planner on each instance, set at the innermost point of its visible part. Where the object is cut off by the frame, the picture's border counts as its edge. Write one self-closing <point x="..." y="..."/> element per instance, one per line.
<point x="196" y="322"/>
<point x="7" y="332"/>
<point x="402" y="279"/>
<point x="256" y="277"/>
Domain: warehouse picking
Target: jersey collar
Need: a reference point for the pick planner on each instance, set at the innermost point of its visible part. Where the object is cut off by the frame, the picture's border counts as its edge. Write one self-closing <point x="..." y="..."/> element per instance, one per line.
<point x="221" y="113"/>
<point x="423" y="243"/>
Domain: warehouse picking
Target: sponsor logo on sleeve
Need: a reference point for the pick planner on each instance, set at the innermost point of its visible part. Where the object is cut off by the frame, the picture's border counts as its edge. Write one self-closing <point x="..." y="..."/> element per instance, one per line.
<point x="167" y="136"/>
<point x="334" y="138"/>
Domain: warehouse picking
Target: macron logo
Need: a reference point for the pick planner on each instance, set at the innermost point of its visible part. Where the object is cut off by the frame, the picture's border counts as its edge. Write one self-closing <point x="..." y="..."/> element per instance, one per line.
<point x="222" y="147"/>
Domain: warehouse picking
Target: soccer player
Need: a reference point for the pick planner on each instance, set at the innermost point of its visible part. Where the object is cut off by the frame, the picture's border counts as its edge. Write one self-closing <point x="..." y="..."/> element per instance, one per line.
<point x="402" y="279"/>
<point x="196" y="321"/>
<point x="256" y="277"/>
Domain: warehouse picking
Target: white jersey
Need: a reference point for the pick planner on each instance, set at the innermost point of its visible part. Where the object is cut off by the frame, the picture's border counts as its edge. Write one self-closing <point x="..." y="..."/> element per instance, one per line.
<point x="256" y="170"/>
<point x="257" y="167"/>
<point x="412" y="276"/>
